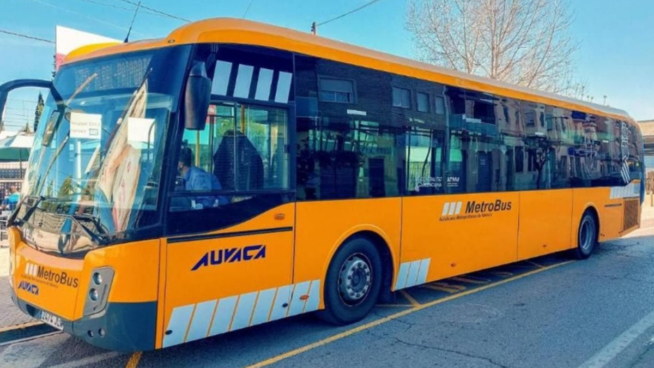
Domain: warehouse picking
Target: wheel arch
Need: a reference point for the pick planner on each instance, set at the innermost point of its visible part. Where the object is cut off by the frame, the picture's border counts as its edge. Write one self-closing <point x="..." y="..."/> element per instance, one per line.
<point x="382" y="243"/>
<point x="592" y="209"/>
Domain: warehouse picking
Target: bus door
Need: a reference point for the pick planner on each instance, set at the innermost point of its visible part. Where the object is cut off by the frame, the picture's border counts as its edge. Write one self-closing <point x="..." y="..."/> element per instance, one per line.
<point x="230" y="246"/>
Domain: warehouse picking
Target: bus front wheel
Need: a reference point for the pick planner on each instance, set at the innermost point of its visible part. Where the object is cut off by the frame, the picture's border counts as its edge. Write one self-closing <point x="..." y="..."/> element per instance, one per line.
<point x="353" y="282"/>
<point x="587" y="236"/>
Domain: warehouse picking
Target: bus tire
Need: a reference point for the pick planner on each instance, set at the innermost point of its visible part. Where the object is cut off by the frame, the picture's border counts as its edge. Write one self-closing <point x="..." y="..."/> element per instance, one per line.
<point x="586" y="236"/>
<point x="353" y="282"/>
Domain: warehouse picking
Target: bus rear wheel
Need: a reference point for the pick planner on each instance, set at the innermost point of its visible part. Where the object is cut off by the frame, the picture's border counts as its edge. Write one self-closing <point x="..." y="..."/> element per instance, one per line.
<point x="587" y="236"/>
<point x="353" y="282"/>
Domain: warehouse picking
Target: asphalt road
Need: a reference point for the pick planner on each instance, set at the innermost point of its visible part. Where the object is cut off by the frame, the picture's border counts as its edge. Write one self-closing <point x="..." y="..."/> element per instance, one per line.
<point x="550" y="313"/>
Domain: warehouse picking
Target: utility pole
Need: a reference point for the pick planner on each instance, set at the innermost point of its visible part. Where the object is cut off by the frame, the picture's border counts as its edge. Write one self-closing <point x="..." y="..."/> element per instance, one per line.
<point x="314" y="28"/>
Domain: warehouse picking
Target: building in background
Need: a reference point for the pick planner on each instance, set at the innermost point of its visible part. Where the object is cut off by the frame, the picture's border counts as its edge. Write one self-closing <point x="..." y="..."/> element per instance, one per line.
<point x="647" y="127"/>
<point x="10" y="174"/>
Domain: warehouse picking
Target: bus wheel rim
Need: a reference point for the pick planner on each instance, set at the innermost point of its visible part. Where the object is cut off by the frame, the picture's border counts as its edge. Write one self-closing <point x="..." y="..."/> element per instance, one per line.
<point x="586" y="235"/>
<point x="355" y="279"/>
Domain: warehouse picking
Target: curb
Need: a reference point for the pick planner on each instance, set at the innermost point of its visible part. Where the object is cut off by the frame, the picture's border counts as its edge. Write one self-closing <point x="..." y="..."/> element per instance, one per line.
<point x="24" y="331"/>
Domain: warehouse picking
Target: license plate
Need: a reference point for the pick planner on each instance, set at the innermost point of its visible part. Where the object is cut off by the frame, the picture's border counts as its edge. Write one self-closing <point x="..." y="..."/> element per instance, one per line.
<point x="52" y="320"/>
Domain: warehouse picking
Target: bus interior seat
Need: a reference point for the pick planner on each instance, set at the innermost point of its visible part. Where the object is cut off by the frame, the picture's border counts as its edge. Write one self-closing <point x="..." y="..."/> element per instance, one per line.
<point x="237" y="164"/>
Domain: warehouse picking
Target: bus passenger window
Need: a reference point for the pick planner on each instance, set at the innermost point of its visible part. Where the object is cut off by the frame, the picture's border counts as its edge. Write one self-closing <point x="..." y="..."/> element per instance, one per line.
<point x="222" y="169"/>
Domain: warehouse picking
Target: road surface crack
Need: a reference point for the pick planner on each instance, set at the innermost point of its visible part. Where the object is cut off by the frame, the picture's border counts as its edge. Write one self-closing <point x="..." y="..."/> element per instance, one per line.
<point x="430" y="347"/>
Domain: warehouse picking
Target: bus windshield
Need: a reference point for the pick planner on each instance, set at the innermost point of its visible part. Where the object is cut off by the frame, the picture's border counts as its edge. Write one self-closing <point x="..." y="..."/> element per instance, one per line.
<point x="100" y="142"/>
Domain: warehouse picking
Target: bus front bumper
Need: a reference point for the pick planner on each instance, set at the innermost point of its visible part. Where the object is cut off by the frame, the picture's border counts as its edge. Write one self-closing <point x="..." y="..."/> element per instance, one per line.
<point x="123" y="327"/>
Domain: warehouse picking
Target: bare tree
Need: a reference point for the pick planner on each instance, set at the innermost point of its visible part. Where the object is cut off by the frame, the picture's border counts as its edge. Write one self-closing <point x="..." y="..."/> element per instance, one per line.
<point x="524" y="42"/>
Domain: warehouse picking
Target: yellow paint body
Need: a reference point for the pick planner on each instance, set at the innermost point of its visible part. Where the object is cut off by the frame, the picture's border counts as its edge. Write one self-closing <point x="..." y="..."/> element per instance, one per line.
<point x="530" y="223"/>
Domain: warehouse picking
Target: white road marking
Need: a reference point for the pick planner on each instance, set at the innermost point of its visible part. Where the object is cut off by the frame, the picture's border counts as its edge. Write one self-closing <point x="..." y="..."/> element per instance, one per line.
<point x="615" y="347"/>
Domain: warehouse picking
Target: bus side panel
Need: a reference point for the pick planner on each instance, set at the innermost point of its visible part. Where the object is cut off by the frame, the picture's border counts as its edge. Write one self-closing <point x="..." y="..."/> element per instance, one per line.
<point x="612" y="219"/>
<point x="231" y="279"/>
<point x="453" y="235"/>
<point x="545" y="217"/>
<point x="322" y="226"/>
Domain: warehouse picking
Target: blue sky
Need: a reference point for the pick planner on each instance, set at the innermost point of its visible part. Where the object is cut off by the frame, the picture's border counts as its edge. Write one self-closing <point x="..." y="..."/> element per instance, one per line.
<point x="616" y="54"/>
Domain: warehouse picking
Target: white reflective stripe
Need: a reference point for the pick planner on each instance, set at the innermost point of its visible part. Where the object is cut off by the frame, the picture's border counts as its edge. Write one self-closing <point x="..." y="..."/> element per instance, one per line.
<point x="264" y="304"/>
<point x="221" y="74"/>
<point x="424" y="270"/>
<point x="402" y="276"/>
<point x="297" y="304"/>
<point x="177" y="325"/>
<point x="452" y="208"/>
<point x="243" y="81"/>
<point x="223" y="315"/>
<point x="201" y="319"/>
<point x="628" y="191"/>
<point x="282" y="298"/>
<point x="244" y="311"/>
<point x="458" y="208"/>
<point x="263" y="84"/>
<point x="314" y="297"/>
<point x="412" y="278"/>
<point x="446" y="207"/>
<point x="283" y="87"/>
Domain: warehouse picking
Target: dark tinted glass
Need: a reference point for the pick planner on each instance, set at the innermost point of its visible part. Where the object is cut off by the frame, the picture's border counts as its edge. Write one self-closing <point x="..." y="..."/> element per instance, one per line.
<point x="423" y="102"/>
<point x="401" y="97"/>
<point x="346" y="151"/>
<point x="493" y="143"/>
<point x="336" y="90"/>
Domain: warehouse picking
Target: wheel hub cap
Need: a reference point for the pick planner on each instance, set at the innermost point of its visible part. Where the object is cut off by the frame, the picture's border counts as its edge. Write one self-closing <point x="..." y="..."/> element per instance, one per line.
<point x="586" y="235"/>
<point x="355" y="279"/>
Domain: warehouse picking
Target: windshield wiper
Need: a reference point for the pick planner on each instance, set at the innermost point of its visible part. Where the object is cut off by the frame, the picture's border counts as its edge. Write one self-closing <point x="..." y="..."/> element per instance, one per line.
<point x="99" y="239"/>
<point x="29" y="212"/>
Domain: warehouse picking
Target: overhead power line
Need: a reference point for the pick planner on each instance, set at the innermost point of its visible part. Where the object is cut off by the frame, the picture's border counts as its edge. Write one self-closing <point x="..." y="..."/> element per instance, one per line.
<point x="157" y="11"/>
<point x="108" y="5"/>
<point x="86" y="16"/>
<point x="123" y="8"/>
<point x="26" y="36"/>
<point x="247" y="9"/>
<point x="348" y="13"/>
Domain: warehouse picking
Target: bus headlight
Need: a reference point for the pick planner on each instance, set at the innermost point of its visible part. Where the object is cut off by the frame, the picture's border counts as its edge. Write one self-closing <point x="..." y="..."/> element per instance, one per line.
<point x="97" y="278"/>
<point x="98" y="290"/>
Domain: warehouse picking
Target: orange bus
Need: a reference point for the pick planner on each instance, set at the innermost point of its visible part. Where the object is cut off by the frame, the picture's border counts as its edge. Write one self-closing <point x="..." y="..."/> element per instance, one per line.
<point x="235" y="173"/>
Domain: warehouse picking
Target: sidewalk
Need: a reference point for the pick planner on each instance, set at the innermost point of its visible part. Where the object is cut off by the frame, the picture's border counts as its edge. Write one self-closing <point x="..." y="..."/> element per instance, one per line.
<point x="10" y="315"/>
<point x="647" y="215"/>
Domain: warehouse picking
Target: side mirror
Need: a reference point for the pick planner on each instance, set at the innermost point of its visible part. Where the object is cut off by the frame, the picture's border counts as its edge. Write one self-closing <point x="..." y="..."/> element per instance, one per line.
<point x="197" y="97"/>
<point x="19" y="83"/>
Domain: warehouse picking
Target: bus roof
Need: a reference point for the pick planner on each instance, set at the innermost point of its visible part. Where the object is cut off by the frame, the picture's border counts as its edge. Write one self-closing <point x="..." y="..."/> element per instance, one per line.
<point x="238" y="31"/>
